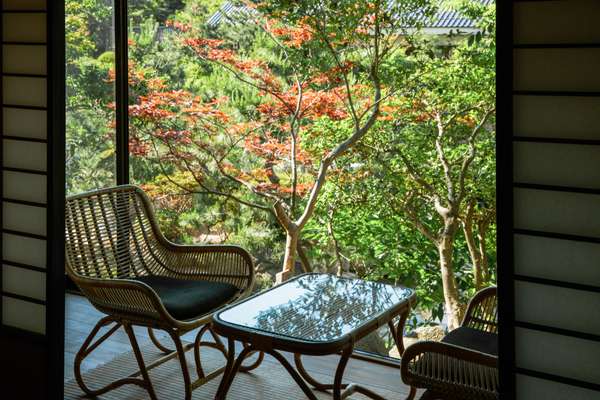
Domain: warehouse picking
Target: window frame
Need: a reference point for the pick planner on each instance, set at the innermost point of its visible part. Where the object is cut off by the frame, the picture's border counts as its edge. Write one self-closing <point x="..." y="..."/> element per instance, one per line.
<point x="121" y="91"/>
<point x="504" y="165"/>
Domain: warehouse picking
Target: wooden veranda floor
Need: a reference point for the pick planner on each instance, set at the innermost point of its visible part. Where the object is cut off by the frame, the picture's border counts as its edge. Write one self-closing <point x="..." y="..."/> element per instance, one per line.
<point x="270" y="381"/>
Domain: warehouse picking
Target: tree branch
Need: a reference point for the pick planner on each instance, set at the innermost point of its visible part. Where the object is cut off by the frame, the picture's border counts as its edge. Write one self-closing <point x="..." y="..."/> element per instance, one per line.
<point x="470" y="156"/>
<point x="414" y="219"/>
<point x="205" y="190"/>
<point x="439" y="147"/>
<point x="293" y="150"/>
<point x="415" y="175"/>
<point x="344" y="76"/>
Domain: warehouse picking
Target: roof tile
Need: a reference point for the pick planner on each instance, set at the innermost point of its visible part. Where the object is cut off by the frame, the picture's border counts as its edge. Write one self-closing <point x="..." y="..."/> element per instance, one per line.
<point x="444" y="18"/>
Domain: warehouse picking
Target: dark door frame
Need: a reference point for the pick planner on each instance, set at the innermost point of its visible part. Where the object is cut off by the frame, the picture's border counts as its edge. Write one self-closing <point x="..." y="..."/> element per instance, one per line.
<point x="56" y="183"/>
<point x="55" y="279"/>
<point x="504" y="197"/>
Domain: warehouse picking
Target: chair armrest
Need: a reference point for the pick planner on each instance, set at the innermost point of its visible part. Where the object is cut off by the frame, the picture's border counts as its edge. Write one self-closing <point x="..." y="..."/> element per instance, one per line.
<point x="426" y="363"/>
<point x="122" y="297"/>
<point x="482" y="311"/>
<point x="223" y="263"/>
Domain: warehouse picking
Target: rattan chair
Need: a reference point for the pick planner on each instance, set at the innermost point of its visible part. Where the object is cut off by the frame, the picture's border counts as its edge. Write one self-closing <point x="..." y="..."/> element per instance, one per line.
<point x="126" y="268"/>
<point x="464" y="365"/>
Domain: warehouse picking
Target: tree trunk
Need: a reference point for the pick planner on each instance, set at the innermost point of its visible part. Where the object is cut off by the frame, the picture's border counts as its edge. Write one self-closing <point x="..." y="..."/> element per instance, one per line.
<point x="289" y="258"/>
<point x="451" y="297"/>
<point x="474" y="252"/>
<point x="478" y="273"/>
<point x="481" y="236"/>
<point x="306" y="267"/>
<point x="336" y="246"/>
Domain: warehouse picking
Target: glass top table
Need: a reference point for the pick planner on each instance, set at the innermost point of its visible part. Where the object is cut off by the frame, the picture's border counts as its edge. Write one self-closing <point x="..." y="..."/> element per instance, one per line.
<point x="312" y="314"/>
<point x="316" y="307"/>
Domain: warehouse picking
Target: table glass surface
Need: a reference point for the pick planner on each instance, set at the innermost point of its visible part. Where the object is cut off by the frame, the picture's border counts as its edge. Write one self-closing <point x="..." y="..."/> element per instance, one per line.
<point x="316" y="307"/>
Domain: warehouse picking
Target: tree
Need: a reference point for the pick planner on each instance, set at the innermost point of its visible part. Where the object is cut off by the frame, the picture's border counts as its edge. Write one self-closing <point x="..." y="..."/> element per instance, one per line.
<point x="89" y="151"/>
<point x="476" y="223"/>
<point x="199" y="109"/>
<point x="440" y="153"/>
<point x="332" y="57"/>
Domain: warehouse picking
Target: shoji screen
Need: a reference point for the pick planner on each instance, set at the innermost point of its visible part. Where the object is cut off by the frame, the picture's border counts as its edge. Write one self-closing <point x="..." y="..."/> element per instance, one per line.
<point x="31" y="180"/>
<point x="556" y="161"/>
<point x="24" y="164"/>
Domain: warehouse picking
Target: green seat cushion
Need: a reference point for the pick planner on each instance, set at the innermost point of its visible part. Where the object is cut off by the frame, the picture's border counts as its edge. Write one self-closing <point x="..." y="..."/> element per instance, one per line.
<point x="186" y="299"/>
<point x="473" y="339"/>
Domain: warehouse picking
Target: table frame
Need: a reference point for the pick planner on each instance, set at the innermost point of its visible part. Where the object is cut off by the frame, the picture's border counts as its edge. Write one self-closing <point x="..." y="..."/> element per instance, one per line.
<point x="259" y="342"/>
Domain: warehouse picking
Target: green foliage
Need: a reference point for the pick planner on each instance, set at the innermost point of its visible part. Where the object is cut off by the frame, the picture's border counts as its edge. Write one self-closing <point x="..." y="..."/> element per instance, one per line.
<point x="367" y="200"/>
<point x="140" y="11"/>
<point x="364" y="202"/>
<point x="89" y="149"/>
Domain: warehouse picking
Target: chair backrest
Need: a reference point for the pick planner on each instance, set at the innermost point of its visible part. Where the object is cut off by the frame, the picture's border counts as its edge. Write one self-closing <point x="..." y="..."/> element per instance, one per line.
<point x="482" y="312"/>
<point x="110" y="233"/>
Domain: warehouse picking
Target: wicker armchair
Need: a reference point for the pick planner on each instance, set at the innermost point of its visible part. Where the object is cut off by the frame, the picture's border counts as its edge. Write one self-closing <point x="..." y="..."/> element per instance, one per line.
<point x="464" y="365"/>
<point x="126" y="268"/>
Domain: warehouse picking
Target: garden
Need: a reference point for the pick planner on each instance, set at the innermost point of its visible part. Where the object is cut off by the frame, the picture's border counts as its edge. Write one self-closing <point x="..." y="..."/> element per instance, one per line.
<point x="337" y="137"/>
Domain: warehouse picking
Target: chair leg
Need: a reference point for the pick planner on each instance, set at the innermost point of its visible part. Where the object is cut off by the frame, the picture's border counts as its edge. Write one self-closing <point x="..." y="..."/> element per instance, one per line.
<point x="140" y="361"/>
<point x="157" y="343"/>
<point x="182" y="361"/>
<point x="87" y="348"/>
<point x="198" y="343"/>
<point x="412" y="393"/>
<point x="429" y="395"/>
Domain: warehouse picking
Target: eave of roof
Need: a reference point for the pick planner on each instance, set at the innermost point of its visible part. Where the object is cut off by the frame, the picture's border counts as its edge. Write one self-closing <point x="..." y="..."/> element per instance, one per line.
<point x="444" y="19"/>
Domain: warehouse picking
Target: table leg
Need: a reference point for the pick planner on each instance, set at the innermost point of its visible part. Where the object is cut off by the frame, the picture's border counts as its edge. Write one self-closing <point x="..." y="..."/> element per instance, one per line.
<point x="294" y="374"/>
<point x="259" y="359"/>
<point x="349" y="389"/>
<point x="234" y="366"/>
<point x="339" y="373"/>
<point x="308" y="378"/>
<point x="398" y="335"/>
<point x="300" y="375"/>
<point x="397" y="331"/>
<point x="223" y="387"/>
<point x="352" y="388"/>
